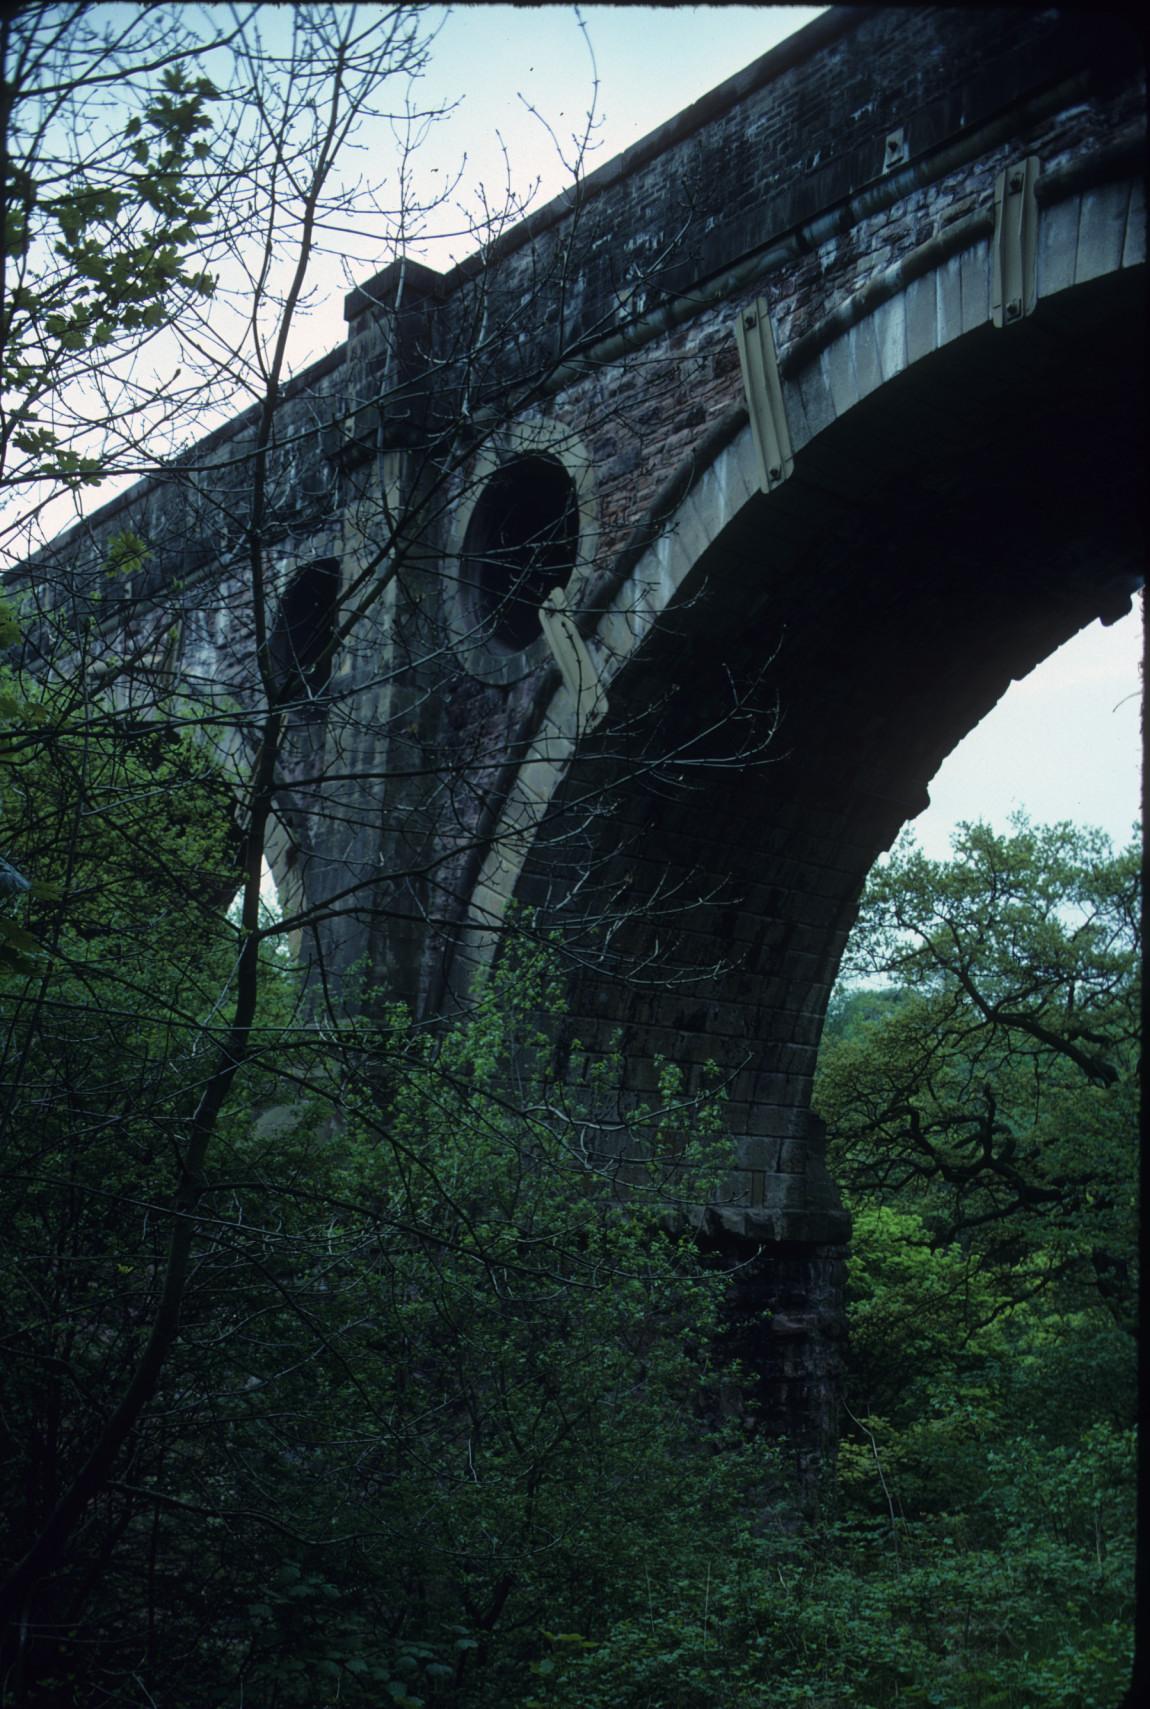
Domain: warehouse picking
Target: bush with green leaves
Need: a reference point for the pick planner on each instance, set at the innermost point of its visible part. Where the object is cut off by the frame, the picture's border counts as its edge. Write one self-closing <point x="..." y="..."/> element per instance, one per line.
<point x="980" y="1105"/>
<point x="436" y="1377"/>
<point x="436" y="1429"/>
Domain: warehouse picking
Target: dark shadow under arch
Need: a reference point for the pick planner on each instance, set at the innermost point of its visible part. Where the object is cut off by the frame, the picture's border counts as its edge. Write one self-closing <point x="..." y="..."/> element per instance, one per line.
<point x="300" y="643"/>
<point x="938" y="540"/>
<point x="703" y="861"/>
<point x="522" y="541"/>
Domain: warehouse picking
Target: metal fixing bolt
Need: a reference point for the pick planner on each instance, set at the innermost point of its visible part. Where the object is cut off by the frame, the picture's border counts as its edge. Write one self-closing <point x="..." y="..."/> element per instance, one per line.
<point x="762" y="389"/>
<point x="1014" y="246"/>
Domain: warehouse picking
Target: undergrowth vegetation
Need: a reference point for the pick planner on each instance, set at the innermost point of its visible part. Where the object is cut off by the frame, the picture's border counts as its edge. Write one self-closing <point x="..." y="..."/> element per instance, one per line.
<point x="439" y="1427"/>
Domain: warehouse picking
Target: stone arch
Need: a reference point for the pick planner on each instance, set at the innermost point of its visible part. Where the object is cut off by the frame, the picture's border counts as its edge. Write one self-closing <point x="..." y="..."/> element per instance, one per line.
<point x="964" y="498"/>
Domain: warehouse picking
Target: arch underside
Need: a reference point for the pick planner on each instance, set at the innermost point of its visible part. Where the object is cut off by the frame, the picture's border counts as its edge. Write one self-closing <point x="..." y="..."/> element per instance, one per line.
<point x="782" y="720"/>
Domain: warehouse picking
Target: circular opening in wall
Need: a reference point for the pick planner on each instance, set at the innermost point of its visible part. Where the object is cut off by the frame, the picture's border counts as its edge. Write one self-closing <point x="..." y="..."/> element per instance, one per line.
<point x="522" y="541"/>
<point x="299" y="643"/>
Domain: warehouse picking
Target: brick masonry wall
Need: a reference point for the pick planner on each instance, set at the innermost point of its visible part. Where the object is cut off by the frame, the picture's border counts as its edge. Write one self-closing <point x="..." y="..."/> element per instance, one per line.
<point x="800" y="134"/>
<point x="608" y="325"/>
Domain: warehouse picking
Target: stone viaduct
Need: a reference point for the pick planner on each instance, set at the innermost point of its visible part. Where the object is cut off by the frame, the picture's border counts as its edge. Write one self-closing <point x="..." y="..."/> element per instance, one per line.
<point x="644" y="568"/>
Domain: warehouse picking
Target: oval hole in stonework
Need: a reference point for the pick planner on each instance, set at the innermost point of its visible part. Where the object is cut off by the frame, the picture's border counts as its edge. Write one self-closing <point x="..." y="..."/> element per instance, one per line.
<point x="522" y="541"/>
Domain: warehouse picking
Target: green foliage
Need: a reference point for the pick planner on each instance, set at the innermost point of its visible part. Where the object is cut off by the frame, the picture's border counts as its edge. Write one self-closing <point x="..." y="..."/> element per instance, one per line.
<point x="514" y="1370"/>
<point x="95" y="255"/>
<point x="842" y="1619"/>
<point x="22" y="721"/>
<point x="994" y="1090"/>
<point x="436" y="1376"/>
<point x="439" y="1428"/>
<point x="980" y="1113"/>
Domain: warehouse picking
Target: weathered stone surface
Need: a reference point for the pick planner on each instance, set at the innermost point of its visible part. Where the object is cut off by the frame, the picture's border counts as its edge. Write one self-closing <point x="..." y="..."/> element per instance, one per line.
<point x="784" y="672"/>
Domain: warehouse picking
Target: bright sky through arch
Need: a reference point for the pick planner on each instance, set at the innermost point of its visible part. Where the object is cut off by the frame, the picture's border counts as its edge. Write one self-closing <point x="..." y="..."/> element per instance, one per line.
<point x="1063" y="743"/>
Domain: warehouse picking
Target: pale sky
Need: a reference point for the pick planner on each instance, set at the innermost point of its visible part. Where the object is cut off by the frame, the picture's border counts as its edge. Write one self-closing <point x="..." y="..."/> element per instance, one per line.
<point x="1063" y="743"/>
<point x="650" y="63"/>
